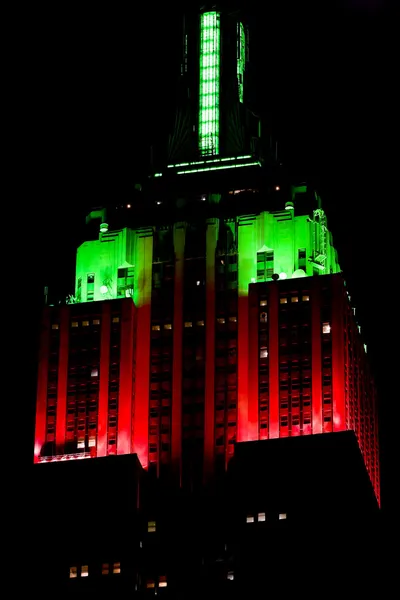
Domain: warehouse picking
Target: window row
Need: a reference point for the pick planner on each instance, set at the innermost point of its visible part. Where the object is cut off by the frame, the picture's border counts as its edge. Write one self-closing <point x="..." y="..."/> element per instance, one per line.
<point x="261" y="517"/>
<point x="106" y="569"/>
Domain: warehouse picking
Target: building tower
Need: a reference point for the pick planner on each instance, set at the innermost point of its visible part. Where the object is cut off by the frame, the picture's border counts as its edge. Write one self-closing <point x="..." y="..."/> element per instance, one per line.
<point x="211" y="310"/>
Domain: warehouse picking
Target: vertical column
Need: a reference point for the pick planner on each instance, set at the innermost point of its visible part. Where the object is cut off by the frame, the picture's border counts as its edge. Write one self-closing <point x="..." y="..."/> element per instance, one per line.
<point x="253" y="358"/>
<point x="209" y="402"/>
<point x="337" y="333"/>
<point x="125" y="397"/>
<point x="143" y="287"/>
<point x="273" y="328"/>
<point x="247" y="272"/>
<point x="102" y="417"/>
<point x="41" y="398"/>
<point x="61" y="416"/>
<point x="316" y="350"/>
<point x="176" y="424"/>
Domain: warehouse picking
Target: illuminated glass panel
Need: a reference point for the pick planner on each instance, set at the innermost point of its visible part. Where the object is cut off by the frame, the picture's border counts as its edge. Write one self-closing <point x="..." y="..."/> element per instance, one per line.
<point x="209" y="83"/>
<point x="241" y="58"/>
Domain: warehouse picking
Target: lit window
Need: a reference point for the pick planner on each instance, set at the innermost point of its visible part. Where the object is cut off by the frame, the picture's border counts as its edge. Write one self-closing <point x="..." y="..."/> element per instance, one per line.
<point x="96" y="321"/>
<point x="282" y="516"/>
<point x="117" y="568"/>
<point x="73" y="572"/>
<point x="200" y="323"/>
<point x="230" y="575"/>
<point x="221" y="320"/>
<point x="150" y="584"/>
<point x="233" y="319"/>
<point x="85" y="323"/>
<point x="84" y="571"/>
<point x="294" y="299"/>
<point x="283" y="300"/>
<point x="249" y="519"/>
<point x="162" y="581"/>
<point x="94" y="373"/>
<point x="115" y="319"/>
<point x="263" y="303"/>
<point x="188" y="324"/>
<point x="263" y="353"/>
<point x="81" y="444"/>
<point x="92" y="442"/>
<point x="74" y="324"/>
<point x="105" y="569"/>
<point x="54" y="326"/>
<point x="261" y="516"/>
<point x="305" y="298"/>
<point x="151" y="526"/>
<point x="263" y="317"/>
<point x="167" y="326"/>
<point x="197" y="282"/>
<point x="155" y="328"/>
<point x="326" y="328"/>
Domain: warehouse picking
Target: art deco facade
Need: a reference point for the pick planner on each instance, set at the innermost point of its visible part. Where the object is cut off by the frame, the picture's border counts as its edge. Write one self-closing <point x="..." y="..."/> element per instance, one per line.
<point x="212" y="309"/>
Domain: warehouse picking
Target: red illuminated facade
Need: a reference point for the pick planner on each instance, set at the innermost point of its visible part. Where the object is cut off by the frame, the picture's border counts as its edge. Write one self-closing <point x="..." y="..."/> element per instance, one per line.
<point x="305" y="367"/>
<point x="86" y="381"/>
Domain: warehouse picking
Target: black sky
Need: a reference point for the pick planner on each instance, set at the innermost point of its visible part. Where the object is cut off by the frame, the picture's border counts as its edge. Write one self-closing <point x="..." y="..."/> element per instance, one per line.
<point x="98" y="85"/>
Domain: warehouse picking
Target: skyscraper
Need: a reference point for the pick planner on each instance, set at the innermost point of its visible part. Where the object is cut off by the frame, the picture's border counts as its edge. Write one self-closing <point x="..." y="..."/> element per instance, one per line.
<point x="210" y="310"/>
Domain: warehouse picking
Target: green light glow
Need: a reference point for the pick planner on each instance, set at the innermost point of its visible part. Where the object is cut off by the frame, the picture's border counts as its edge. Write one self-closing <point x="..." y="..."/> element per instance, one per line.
<point x="209" y="162"/>
<point x="241" y="58"/>
<point x="119" y="263"/>
<point x="209" y="83"/>
<point x="235" y="166"/>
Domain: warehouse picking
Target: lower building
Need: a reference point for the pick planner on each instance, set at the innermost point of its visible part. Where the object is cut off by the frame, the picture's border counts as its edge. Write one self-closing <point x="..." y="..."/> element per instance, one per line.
<point x="290" y="514"/>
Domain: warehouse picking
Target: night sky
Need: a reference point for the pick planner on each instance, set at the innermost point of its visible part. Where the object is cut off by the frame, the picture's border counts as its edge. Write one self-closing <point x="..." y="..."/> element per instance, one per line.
<point x="98" y="85"/>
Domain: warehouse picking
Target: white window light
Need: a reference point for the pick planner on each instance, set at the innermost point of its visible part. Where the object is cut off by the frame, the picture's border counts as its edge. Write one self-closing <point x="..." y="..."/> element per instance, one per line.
<point x="250" y="519"/>
<point x="326" y="328"/>
<point x="73" y="572"/>
<point x="117" y="568"/>
<point x="282" y="516"/>
<point x="261" y="517"/>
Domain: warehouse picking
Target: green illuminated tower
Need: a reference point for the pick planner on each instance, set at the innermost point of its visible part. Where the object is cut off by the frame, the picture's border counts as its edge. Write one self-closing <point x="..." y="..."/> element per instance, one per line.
<point x="213" y="119"/>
